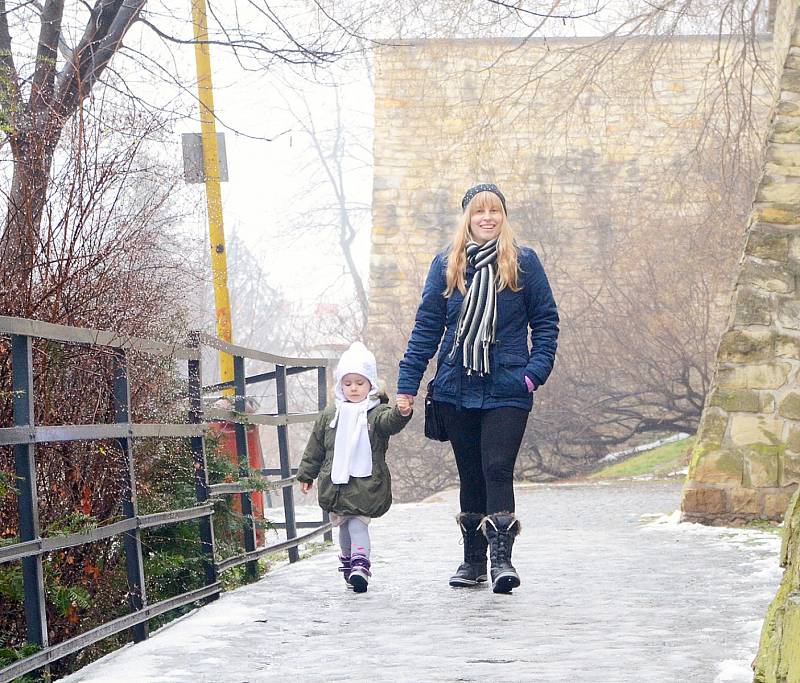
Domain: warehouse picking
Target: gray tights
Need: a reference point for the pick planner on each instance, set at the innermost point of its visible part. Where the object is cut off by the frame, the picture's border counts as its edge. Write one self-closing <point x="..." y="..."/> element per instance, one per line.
<point x="354" y="537"/>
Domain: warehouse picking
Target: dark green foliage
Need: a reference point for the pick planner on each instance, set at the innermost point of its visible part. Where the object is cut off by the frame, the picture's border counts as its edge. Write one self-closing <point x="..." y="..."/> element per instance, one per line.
<point x="9" y="655"/>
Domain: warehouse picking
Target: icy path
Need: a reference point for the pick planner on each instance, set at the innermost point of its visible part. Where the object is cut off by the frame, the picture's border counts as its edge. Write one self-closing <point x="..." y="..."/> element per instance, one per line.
<point x="613" y="591"/>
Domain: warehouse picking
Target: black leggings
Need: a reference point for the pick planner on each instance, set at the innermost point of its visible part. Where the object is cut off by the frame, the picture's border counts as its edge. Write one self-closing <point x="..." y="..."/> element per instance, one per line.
<point x="485" y="443"/>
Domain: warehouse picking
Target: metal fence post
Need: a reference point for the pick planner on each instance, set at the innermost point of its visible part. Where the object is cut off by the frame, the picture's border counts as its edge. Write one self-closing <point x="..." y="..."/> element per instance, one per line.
<point x="244" y="463"/>
<point x="200" y="462"/>
<point x="27" y="498"/>
<point x="322" y="401"/>
<point x="283" y="452"/>
<point x="137" y="592"/>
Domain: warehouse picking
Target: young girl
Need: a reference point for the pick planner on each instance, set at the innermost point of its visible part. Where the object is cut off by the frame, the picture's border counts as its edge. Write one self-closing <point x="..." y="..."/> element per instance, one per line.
<point x="347" y="450"/>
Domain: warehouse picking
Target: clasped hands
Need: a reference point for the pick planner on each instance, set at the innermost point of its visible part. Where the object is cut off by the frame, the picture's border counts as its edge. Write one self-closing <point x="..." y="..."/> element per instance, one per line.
<point x="405" y="403"/>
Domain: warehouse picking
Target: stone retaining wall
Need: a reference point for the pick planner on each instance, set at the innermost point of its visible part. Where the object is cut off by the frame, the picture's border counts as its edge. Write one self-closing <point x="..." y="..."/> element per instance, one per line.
<point x="746" y="460"/>
<point x="778" y="659"/>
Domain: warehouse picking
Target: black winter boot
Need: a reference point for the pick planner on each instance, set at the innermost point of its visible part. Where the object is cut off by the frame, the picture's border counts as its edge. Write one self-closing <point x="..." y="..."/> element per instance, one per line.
<point x="501" y="528"/>
<point x="473" y="570"/>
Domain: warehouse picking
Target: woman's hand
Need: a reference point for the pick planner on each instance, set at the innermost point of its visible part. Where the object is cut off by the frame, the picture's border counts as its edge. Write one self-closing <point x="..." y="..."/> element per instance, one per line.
<point x="305" y="486"/>
<point x="404" y="404"/>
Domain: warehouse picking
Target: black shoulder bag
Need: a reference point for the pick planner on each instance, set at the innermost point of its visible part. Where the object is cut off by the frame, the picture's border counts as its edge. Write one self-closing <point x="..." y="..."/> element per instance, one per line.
<point x="434" y="423"/>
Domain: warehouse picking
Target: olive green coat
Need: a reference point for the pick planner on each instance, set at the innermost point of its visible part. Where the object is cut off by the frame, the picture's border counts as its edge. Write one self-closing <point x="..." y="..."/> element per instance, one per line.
<point x="369" y="496"/>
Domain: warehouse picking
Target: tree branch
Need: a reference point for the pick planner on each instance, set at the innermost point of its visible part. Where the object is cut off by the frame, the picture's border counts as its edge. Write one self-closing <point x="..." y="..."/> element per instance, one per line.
<point x="105" y="29"/>
<point x="46" y="55"/>
<point x="9" y="79"/>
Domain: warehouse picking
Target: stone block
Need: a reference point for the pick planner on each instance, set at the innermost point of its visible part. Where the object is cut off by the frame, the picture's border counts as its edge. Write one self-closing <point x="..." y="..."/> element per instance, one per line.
<point x="789" y="406"/>
<point x="770" y="277"/>
<point x="736" y="400"/>
<point x="746" y="346"/>
<point x="790" y="638"/>
<point x="785" y="171"/>
<point x="775" y="504"/>
<point x="787" y="346"/>
<point x="752" y="307"/>
<point x="761" y="469"/>
<point x="713" y="424"/>
<point x="790" y="80"/>
<point x="704" y="501"/>
<point x="723" y="466"/>
<point x="788" y="108"/>
<point x="791" y="470"/>
<point x="784" y="155"/>
<point x="780" y="192"/>
<point x="767" y="244"/>
<point x="748" y="429"/>
<point x="745" y="501"/>
<point x="789" y="313"/>
<point x="786" y="131"/>
<point x="792" y="440"/>
<point x="784" y="214"/>
<point x="758" y="376"/>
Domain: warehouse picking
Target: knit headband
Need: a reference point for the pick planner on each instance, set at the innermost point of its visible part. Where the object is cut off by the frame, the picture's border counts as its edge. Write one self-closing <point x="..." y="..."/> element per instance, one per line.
<point x="483" y="187"/>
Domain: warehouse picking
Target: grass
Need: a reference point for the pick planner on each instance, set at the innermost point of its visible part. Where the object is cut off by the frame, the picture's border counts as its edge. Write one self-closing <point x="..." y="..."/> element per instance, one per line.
<point x="659" y="463"/>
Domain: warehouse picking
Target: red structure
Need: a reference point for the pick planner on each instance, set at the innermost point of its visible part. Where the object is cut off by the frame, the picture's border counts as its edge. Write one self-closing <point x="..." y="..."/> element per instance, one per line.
<point x="227" y="444"/>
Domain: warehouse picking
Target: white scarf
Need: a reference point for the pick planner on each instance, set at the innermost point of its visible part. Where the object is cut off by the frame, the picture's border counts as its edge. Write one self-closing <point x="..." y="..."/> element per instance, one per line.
<point x="352" y="450"/>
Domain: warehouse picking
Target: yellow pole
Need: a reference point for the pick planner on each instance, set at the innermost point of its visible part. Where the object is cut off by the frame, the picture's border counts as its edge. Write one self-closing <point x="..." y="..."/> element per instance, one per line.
<point x="208" y="129"/>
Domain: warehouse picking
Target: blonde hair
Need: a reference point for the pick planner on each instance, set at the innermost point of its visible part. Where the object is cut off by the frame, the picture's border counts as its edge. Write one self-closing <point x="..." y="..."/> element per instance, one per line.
<point x="507" y="266"/>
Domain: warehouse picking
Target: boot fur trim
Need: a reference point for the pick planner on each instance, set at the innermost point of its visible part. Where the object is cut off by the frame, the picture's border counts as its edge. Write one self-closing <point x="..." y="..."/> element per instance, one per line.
<point x="489" y="520"/>
<point x="463" y="517"/>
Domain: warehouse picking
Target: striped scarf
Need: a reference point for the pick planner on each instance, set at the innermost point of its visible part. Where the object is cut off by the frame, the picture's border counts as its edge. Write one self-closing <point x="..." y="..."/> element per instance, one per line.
<point x="478" y="316"/>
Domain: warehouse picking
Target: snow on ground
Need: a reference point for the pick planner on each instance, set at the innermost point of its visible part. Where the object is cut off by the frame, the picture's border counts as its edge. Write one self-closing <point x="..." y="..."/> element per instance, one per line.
<point x="614" y="590"/>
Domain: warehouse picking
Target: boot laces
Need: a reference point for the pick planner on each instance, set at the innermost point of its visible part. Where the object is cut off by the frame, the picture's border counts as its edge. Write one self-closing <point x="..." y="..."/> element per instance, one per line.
<point x="502" y="544"/>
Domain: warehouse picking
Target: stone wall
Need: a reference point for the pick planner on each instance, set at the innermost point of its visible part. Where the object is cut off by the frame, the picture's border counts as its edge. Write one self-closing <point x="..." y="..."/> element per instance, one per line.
<point x="582" y="138"/>
<point x="746" y="460"/>
<point x="778" y="659"/>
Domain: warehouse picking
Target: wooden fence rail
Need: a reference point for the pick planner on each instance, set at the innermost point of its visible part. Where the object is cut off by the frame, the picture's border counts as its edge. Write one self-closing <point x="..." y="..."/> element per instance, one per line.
<point x="25" y="435"/>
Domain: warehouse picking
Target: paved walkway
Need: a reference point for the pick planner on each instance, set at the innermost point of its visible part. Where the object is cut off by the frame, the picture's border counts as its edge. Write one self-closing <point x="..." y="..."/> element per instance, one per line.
<point x="614" y="591"/>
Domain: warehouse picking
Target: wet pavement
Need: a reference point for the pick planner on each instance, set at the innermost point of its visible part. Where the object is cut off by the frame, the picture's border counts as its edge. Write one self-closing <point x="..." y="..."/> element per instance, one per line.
<point x="614" y="590"/>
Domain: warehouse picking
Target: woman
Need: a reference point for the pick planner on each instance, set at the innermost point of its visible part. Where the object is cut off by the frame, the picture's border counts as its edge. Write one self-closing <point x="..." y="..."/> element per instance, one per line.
<point x="483" y="294"/>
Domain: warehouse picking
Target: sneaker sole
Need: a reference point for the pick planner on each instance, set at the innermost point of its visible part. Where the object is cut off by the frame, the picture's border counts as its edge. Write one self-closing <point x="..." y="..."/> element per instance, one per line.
<point x="359" y="584"/>
<point x="466" y="583"/>
<point x="505" y="583"/>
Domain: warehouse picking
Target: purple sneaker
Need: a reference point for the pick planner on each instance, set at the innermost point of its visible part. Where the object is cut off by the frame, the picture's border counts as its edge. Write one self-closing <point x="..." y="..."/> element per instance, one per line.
<point x="359" y="573"/>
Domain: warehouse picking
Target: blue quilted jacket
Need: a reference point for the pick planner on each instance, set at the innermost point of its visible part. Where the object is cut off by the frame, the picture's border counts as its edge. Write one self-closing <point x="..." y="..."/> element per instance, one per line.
<point x="532" y="308"/>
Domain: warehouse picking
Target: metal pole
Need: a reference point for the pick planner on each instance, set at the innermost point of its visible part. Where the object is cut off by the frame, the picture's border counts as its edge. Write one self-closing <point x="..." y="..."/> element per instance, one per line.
<point x="207" y="540"/>
<point x="132" y="540"/>
<point x="27" y="499"/>
<point x="283" y="452"/>
<point x="208" y="129"/>
<point x="244" y="464"/>
<point x="322" y="401"/>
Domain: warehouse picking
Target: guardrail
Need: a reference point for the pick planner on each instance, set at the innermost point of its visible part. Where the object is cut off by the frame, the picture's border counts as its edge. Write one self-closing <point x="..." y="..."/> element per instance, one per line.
<point x="25" y="435"/>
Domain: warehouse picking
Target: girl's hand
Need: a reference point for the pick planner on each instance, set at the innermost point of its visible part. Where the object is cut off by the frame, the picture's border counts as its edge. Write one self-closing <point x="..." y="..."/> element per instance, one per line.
<point x="305" y="486"/>
<point x="404" y="403"/>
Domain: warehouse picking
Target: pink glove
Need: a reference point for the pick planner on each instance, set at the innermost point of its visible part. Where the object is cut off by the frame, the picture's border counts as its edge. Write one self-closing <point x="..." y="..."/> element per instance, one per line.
<point x="531" y="385"/>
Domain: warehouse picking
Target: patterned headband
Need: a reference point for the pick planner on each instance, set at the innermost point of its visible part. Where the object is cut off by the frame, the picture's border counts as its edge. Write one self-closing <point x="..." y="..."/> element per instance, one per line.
<point x="483" y="187"/>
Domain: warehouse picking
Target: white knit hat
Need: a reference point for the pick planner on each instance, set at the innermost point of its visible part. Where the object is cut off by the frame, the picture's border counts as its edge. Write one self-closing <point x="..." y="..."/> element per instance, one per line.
<point x="360" y="360"/>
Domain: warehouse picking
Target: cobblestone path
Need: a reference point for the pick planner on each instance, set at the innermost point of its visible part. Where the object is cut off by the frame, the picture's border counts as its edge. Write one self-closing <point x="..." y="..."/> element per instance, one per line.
<point x="613" y="591"/>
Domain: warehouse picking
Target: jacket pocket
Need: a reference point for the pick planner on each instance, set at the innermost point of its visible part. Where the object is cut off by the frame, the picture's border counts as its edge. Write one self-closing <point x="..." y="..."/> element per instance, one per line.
<point x="447" y="373"/>
<point x="509" y="376"/>
<point x="326" y="491"/>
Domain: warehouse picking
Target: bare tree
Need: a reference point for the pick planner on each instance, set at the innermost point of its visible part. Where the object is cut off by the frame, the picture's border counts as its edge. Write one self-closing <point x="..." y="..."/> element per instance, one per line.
<point x="337" y="149"/>
<point x="42" y="85"/>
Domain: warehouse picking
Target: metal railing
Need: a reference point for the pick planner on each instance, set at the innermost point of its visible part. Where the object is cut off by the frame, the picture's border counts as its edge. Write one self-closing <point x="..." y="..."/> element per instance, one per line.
<point x="25" y="435"/>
